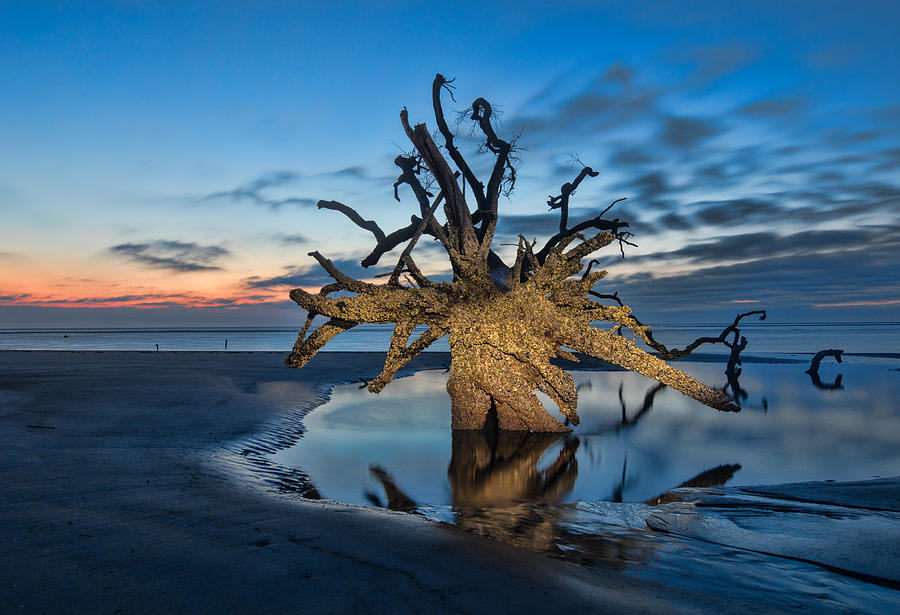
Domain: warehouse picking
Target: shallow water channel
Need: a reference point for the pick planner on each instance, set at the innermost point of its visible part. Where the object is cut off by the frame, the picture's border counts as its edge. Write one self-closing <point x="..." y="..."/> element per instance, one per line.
<point x="648" y="483"/>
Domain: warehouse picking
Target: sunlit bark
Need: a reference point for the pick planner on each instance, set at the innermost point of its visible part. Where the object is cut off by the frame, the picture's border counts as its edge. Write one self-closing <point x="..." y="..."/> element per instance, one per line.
<point x="505" y="324"/>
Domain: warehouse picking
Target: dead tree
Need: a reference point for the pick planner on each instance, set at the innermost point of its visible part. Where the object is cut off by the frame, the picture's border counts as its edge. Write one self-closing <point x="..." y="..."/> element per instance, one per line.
<point x="504" y="323"/>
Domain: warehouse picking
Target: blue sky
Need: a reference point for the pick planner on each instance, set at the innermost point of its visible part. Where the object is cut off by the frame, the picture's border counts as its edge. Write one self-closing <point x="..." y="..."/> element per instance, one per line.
<point x="160" y="162"/>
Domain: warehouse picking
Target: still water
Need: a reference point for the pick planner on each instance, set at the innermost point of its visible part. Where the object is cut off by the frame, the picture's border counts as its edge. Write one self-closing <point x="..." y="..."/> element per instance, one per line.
<point x="636" y="439"/>
<point x="765" y="337"/>
<point x="603" y="494"/>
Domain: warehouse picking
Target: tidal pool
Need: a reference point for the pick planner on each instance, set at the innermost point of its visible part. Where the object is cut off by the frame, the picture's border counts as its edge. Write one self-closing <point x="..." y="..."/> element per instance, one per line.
<point x="630" y="486"/>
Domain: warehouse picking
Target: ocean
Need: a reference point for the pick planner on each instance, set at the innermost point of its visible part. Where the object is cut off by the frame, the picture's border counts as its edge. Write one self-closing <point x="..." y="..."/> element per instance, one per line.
<point x="764" y="338"/>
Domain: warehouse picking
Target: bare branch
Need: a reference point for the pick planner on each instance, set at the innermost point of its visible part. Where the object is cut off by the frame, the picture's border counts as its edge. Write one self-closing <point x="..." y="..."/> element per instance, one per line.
<point x="477" y="187"/>
<point x="613" y="226"/>
<point x="411" y="167"/>
<point x="616" y="350"/>
<point x="400" y="354"/>
<point x="667" y="354"/>
<point x="369" y="225"/>
<point x="346" y="282"/>
<point x="405" y="234"/>
<point x="406" y="258"/>
<point x="590" y="265"/>
<point x="561" y="202"/>
<point x="613" y="204"/>
<point x="306" y="348"/>
<point x="457" y="212"/>
<point x="481" y="113"/>
<point x="613" y="297"/>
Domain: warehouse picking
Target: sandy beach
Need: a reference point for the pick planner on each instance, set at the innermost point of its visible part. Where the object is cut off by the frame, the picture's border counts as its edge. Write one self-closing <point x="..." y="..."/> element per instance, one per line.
<point x="118" y="496"/>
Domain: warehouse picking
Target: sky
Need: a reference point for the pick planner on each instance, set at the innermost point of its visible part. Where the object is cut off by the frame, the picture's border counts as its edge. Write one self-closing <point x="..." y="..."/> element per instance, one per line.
<point x="160" y="162"/>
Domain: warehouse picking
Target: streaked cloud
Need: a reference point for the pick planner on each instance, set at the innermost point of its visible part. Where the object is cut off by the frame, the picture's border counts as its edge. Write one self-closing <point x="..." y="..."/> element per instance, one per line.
<point x="292" y="239"/>
<point x="253" y="191"/>
<point x="312" y="274"/>
<point x="178" y="256"/>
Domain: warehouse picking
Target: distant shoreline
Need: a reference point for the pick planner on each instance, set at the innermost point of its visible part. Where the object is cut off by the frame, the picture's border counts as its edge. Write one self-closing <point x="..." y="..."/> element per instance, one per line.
<point x="585" y="362"/>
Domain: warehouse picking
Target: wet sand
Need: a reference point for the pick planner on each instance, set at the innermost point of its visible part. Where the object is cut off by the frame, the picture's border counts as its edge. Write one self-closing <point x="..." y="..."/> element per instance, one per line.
<point x="122" y="491"/>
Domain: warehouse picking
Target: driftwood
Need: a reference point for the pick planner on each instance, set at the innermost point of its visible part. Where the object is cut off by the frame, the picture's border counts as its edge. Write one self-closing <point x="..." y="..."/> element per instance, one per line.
<point x="505" y="323"/>
<point x="813" y="370"/>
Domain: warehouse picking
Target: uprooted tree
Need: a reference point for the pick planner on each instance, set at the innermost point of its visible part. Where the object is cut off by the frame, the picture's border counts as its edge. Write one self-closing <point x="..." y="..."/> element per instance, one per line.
<point x="504" y="323"/>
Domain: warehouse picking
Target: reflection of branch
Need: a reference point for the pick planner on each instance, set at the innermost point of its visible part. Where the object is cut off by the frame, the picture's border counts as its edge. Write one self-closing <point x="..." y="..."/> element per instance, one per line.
<point x="738" y="394"/>
<point x="715" y="477"/>
<point x="813" y="370"/>
<point x="397" y="499"/>
<point x="619" y="492"/>
<point x="645" y="407"/>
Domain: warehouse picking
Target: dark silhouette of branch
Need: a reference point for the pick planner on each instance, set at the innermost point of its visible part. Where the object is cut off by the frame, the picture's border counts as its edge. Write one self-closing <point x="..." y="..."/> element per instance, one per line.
<point x="615" y="226"/>
<point x="410" y="167"/>
<point x="561" y="202"/>
<point x="440" y="82"/>
<point x="612" y="297"/>
<point x="587" y="270"/>
<point x="387" y="243"/>
<point x="405" y="260"/>
<point x="369" y="225"/>
<point x="463" y="237"/>
<point x="503" y="168"/>
<point x="817" y="359"/>
<point x="644" y="409"/>
<point x="674" y="353"/>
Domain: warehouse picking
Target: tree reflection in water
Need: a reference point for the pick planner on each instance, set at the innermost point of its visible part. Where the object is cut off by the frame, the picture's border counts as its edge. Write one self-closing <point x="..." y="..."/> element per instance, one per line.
<point x="500" y="492"/>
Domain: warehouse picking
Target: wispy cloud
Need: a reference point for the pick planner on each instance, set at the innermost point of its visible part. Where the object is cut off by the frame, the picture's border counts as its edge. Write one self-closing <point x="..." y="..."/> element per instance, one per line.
<point x="291" y="240"/>
<point x="311" y="275"/>
<point x="175" y="256"/>
<point x="259" y="191"/>
<point x="252" y="192"/>
<point x="14" y="299"/>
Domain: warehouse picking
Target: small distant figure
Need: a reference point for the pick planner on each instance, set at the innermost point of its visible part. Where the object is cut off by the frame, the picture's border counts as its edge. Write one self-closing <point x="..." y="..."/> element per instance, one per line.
<point x="66" y="335"/>
<point x="157" y="348"/>
<point x="226" y="343"/>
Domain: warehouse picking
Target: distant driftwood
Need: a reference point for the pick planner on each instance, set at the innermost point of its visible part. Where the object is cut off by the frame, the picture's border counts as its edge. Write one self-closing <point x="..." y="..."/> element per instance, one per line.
<point x="813" y="370"/>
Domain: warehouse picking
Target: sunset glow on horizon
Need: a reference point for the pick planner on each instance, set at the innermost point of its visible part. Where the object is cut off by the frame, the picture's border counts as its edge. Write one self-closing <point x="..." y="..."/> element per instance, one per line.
<point x="167" y="157"/>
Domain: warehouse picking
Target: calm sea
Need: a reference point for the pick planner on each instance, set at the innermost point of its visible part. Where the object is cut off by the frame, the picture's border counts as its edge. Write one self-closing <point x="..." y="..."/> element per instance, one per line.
<point x="764" y="338"/>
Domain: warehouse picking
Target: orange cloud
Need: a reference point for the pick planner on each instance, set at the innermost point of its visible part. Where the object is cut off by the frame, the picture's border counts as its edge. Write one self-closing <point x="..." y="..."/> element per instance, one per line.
<point x="873" y="303"/>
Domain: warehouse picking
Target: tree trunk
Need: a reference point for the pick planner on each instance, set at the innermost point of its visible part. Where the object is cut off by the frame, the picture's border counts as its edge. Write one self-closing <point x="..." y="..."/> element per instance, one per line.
<point x="493" y="390"/>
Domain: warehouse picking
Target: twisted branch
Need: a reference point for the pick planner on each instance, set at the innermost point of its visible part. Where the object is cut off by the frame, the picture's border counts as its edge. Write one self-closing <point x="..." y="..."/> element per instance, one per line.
<point x="440" y="82"/>
<point x="614" y="226"/>
<point x="561" y="202"/>
<point x="369" y="225"/>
